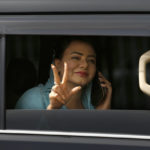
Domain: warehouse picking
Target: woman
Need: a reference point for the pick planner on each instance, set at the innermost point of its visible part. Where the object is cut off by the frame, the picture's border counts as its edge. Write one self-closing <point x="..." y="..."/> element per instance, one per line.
<point x="72" y="86"/>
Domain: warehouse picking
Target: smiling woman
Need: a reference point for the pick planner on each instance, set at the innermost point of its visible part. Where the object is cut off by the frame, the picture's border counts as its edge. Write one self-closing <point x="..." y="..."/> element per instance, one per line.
<point x="71" y="80"/>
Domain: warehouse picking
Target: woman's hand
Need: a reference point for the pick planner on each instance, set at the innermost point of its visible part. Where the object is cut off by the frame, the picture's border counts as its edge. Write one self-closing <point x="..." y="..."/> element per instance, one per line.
<point x="105" y="84"/>
<point x="59" y="94"/>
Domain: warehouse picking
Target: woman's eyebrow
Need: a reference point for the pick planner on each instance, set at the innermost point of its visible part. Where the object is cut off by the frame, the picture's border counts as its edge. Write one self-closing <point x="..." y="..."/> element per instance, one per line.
<point x="77" y="53"/>
<point x="82" y="54"/>
<point x="92" y="56"/>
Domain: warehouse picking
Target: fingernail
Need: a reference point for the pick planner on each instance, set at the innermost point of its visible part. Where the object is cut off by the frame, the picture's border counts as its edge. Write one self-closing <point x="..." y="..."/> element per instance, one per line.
<point x="79" y="87"/>
<point x="65" y="63"/>
<point x="52" y="65"/>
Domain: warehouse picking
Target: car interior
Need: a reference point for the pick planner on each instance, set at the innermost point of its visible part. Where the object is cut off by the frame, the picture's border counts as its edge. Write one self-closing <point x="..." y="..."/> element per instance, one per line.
<point x="118" y="59"/>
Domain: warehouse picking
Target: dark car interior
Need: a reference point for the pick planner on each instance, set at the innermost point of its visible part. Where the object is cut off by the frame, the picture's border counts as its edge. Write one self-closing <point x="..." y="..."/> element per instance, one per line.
<point x="30" y="57"/>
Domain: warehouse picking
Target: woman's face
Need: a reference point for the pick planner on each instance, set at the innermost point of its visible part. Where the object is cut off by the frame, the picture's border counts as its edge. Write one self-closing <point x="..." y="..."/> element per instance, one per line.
<point x="81" y="61"/>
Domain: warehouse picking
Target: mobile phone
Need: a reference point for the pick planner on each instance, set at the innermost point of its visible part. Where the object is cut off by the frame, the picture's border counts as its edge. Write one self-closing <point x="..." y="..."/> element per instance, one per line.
<point x="99" y="93"/>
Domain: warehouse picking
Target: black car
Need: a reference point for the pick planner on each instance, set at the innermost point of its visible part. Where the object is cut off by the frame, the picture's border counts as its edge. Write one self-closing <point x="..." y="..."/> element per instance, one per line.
<point x="121" y="29"/>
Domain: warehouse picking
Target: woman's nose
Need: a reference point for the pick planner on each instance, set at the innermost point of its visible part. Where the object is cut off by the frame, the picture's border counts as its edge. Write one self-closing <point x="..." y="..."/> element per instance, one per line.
<point x="84" y="64"/>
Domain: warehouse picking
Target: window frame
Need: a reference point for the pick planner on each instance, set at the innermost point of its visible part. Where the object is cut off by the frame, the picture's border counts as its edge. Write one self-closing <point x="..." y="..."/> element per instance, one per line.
<point x="79" y="24"/>
<point x="67" y="6"/>
<point x="2" y="82"/>
<point x="76" y="24"/>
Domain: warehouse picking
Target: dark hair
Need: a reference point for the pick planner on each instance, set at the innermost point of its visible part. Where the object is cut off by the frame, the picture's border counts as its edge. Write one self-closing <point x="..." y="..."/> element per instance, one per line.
<point x="64" y="42"/>
<point x="97" y="95"/>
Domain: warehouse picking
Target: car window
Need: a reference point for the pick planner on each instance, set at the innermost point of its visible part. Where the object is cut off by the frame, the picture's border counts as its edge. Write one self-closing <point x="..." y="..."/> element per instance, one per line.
<point x="31" y="56"/>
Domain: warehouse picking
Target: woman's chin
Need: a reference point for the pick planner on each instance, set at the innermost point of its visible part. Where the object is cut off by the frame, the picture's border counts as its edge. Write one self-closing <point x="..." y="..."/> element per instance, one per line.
<point x="81" y="83"/>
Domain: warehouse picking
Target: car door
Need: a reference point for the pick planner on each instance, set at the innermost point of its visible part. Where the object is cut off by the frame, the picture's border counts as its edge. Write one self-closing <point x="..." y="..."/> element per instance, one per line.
<point x="109" y="21"/>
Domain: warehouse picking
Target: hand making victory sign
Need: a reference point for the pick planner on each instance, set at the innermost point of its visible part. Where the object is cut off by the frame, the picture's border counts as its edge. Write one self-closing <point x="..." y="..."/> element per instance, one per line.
<point x="59" y="94"/>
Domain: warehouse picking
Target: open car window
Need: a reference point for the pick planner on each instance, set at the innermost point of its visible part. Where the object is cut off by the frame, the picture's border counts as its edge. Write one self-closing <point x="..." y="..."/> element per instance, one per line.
<point x="28" y="61"/>
<point x="118" y="59"/>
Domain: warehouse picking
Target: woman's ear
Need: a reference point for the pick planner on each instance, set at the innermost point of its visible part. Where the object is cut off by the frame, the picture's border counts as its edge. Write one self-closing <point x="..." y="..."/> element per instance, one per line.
<point x="57" y="63"/>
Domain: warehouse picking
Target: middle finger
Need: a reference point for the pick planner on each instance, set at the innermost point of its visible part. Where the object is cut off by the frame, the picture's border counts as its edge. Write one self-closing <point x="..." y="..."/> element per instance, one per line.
<point x="65" y="75"/>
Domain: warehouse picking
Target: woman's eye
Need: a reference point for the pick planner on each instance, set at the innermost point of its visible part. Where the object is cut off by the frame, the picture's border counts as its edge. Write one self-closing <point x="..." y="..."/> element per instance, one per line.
<point x="92" y="61"/>
<point x="75" y="57"/>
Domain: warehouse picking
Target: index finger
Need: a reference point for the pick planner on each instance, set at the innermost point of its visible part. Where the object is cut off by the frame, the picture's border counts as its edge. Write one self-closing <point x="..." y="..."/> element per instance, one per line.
<point x="56" y="75"/>
<point x="65" y="75"/>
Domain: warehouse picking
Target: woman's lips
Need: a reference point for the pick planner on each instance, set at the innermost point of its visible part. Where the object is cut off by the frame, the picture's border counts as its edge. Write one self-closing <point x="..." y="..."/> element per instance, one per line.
<point x="82" y="74"/>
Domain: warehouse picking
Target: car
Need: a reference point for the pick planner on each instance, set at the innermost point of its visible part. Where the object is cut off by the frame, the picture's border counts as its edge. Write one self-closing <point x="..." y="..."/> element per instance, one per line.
<point x="121" y="30"/>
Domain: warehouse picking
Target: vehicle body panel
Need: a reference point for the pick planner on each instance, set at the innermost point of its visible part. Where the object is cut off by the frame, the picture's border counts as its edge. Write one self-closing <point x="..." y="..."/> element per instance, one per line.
<point x="46" y="6"/>
<point x="110" y="129"/>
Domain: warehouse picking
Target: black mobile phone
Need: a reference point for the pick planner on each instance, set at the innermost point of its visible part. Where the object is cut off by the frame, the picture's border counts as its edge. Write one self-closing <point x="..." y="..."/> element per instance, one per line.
<point x="99" y="93"/>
